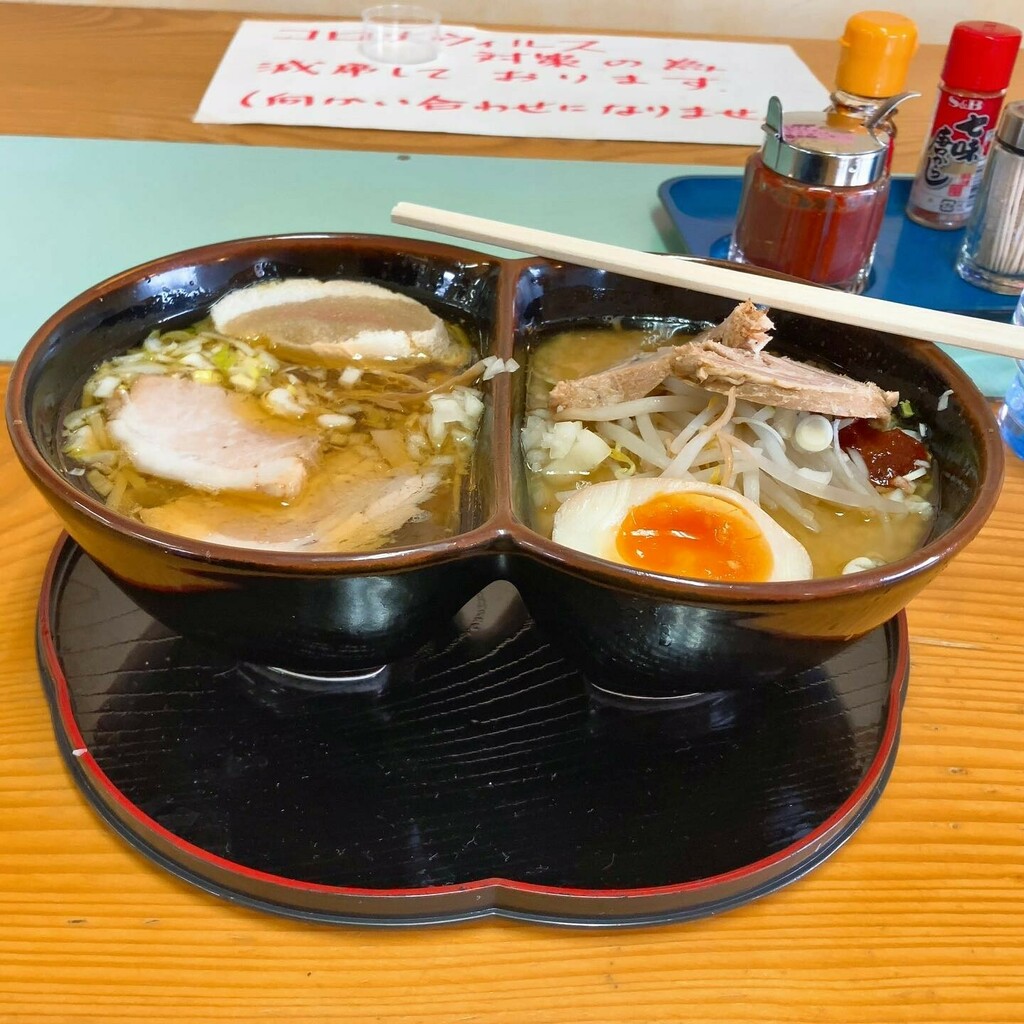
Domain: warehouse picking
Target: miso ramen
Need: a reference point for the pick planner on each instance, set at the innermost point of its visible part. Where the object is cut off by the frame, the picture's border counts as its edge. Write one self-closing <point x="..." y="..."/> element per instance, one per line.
<point x="819" y="477"/>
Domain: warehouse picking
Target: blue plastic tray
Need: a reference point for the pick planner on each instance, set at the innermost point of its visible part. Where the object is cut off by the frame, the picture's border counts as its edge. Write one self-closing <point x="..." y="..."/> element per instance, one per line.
<point x="912" y="264"/>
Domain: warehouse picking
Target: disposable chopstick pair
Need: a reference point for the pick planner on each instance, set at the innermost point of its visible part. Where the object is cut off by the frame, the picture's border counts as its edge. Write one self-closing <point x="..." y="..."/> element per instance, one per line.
<point x="828" y="304"/>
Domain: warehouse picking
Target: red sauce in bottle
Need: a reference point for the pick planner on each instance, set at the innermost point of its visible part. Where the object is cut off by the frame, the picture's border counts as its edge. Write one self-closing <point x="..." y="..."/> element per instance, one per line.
<point x="824" y="234"/>
<point x="888" y="454"/>
<point x="813" y="198"/>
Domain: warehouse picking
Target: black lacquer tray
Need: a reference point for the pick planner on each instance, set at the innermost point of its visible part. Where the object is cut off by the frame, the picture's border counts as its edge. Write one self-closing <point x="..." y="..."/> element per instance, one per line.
<point x="483" y="776"/>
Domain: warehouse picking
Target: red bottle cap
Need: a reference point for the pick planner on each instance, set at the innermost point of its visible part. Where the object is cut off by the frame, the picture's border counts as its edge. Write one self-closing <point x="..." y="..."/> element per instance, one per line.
<point x="981" y="56"/>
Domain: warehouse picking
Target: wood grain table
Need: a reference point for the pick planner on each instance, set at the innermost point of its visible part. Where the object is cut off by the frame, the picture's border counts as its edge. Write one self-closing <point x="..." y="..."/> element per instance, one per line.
<point x="920" y="917"/>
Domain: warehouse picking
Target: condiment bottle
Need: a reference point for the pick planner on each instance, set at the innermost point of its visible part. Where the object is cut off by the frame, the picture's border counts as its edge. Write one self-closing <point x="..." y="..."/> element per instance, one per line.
<point x="813" y="198"/>
<point x="1011" y="412"/>
<point x="875" y="52"/>
<point x="992" y="252"/>
<point x="976" y="72"/>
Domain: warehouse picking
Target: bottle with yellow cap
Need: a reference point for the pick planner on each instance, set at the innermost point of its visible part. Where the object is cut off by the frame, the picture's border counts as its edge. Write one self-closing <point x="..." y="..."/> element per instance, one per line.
<point x="875" y="52"/>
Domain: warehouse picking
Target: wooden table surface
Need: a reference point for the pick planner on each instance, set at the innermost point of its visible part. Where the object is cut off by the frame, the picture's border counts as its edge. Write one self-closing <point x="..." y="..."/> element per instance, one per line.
<point x="920" y="917"/>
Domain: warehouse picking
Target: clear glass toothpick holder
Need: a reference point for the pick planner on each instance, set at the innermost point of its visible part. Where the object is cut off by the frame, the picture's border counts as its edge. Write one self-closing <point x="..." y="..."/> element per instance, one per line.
<point x="992" y="253"/>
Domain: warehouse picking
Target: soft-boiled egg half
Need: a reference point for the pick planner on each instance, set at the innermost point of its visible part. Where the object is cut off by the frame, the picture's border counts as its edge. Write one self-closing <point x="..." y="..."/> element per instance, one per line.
<point x="680" y="528"/>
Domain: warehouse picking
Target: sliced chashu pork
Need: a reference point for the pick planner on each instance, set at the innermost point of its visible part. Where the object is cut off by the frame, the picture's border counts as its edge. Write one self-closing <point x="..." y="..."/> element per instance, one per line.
<point x="623" y="382"/>
<point x="746" y="327"/>
<point x="727" y="358"/>
<point x="775" y="380"/>
<point x="209" y="438"/>
<point x="333" y="322"/>
<point x="351" y="504"/>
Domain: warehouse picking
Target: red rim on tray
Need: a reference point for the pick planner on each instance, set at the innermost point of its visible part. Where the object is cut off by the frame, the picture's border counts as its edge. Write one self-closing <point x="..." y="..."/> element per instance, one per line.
<point x="483" y="777"/>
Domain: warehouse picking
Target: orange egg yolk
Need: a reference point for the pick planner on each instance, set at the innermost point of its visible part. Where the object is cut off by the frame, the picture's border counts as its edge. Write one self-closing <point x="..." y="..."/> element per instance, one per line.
<point x="695" y="535"/>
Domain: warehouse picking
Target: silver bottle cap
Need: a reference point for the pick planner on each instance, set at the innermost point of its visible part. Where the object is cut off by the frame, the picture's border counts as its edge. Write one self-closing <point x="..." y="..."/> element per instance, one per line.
<point x="1011" y="125"/>
<point x="821" y="148"/>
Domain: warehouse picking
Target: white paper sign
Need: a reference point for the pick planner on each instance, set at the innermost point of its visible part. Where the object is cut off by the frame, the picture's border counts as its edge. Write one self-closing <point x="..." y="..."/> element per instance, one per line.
<point x="536" y="84"/>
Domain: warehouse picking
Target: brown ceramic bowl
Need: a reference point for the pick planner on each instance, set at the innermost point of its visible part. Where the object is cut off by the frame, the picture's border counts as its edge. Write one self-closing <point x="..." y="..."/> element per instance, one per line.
<point x="649" y="635"/>
<point x="307" y="613"/>
<point x="631" y="632"/>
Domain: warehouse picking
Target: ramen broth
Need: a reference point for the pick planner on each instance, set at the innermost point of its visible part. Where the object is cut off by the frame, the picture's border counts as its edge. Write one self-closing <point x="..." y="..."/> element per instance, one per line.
<point x="385" y="421"/>
<point x="843" y="533"/>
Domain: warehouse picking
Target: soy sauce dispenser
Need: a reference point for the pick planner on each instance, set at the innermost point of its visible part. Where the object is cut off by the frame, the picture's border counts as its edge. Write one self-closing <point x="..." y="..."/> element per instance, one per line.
<point x="814" y="196"/>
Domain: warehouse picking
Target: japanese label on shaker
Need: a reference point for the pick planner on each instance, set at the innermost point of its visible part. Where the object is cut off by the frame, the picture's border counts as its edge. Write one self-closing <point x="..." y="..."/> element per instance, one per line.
<point x="961" y="138"/>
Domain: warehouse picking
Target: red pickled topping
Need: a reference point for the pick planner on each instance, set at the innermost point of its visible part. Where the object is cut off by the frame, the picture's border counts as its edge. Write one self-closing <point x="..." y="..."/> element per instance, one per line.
<point x="887" y="453"/>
